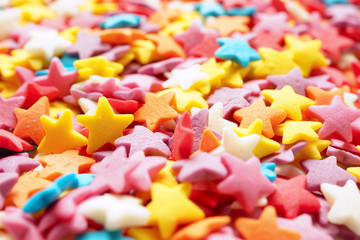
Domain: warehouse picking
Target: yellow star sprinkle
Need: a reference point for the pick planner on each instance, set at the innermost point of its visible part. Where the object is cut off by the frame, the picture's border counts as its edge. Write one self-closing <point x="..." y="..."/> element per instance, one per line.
<point x="233" y="74"/>
<point x="293" y="131"/>
<point x="97" y="66"/>
<point x="171" y="207"/>
<point x="21" y="2"/>
<point x="274" y="62"/>
<point x="175" y="27"/>
<point x="165" y="177"/>
<point x="265" y="146"/>
<point x="354" y="171"/>
<point x="215" y="74"/>
<point x="186" y="100"/>
<point x="70" y="33"/>
<point x="307" y="54"/>
<point x="7" y="89"/>
<point x="35" y="12"/>
<point x="61" y="106"/>
<point x="21" y="57"/>
<point x="144" y="233"/>
<point x="126" y="58"/>
<point x="144" y="51"/>
<point x="312" y="150"/>
<point x="180" y="24"/>
<point x="287" y="100"/>
<point x="105" y="126"/>
<point x="59" y="134"/>
<point x="98" y="8"/>
<point x="7" y="68"/>
<point x="189" y="17"/>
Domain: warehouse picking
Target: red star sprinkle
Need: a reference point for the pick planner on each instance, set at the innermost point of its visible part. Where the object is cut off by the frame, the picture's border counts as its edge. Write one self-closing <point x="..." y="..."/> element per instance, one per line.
<point x="291" y="197"/>
<point x="13" y="143"/>
<point x="183" y="138"/>
<point x="332" y="42"/>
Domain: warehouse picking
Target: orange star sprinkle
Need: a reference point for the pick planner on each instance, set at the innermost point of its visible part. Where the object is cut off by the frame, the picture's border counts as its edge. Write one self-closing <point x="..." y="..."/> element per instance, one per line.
<point x="29" y="124"/>
<point x="28" y="184"/>
<point x="226" y="25"/>
<point x="208" y="141"/>
<point x="323" y="97"/>
<point x="156" y="110"/>
<point x="163" y="17"/>
<point x="56" y="165"/>
<point x="269" y="116"/>
<point x="264" y="228"/>
<point x="121" y="35"/>
<point x="167" y="47"/>
<point x="4" y="49"/>
<point x="202" y="228"/>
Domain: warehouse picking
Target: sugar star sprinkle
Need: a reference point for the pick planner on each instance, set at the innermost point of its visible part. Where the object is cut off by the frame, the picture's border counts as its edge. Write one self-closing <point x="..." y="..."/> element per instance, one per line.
<point x="46" y="44"/>
<point x="115" y="212"/>
<point x="243" y="54"/>
<point x="104" y="126"/>
<point x="59" y="134"/>
<point x="341" y="213"/>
